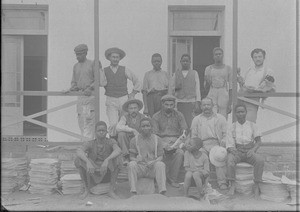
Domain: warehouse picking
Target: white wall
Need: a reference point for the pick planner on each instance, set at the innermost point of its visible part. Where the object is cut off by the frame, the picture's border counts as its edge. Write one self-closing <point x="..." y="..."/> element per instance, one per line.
<point x="140" y="28"/>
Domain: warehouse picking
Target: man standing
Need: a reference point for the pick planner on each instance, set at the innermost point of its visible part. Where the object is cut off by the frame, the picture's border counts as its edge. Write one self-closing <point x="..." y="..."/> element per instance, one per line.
<point x="146" y="154"/>
<point x="129" y="125"/>
<point x="98" y="161"/>
<point x="155" y="85"/>
<point x="251" y="81"/>
<point x="211" y="128"/>
<point x="218" y="79"/>
<point x="243" y="141"/>
<point x="83" y="80"/>
<point x="187" y="89"/>
<point x="169" y="124"/>
<point x="114" y="80"/>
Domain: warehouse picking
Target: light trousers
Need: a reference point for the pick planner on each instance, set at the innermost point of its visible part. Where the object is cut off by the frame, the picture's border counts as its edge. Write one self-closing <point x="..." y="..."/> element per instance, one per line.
<point x="220" y="99"/>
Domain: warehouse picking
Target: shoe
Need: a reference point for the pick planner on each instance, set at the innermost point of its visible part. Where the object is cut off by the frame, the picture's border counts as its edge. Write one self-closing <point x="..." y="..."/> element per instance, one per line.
<point x="174" y="184"/>
<point x="223" y="187"/>
<point x="163" y="192"/>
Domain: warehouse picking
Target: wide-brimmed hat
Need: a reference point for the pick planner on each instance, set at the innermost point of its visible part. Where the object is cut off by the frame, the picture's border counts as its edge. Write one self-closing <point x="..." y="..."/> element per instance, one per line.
<point x="109" y="51"/>
<point x="81" y="48"/>
<point x="131" y="101"/>
<point x="168" y="97"/>
<point x="218" y="156"/>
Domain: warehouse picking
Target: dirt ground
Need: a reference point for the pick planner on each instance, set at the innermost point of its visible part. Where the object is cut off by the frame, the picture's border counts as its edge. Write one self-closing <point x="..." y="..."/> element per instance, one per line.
<point x="173" y="201"/>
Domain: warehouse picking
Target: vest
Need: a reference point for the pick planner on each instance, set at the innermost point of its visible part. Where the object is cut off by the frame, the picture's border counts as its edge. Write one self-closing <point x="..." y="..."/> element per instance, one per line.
<point x="135" y="125"/>
<point x="185" y="86"/>
<point x="116" y="82"/>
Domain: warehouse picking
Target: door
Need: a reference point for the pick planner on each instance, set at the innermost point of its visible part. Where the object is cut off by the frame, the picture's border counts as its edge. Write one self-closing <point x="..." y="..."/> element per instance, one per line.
<point x="12" y="80"/>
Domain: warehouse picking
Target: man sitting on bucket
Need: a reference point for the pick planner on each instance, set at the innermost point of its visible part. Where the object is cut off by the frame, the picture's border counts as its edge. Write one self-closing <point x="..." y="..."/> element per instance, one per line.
<point x="243" y="140"/>
<point x="129" y="125"/>
<point x="98" y="162"/>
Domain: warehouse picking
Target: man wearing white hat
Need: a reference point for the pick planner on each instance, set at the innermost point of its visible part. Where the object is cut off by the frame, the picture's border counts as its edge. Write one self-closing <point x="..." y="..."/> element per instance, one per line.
<point x="83" y="80"/>
<point x="129" y="124"/>
<point x="211" y="128"/>
<point x="243" y="140"/>
<point x="114" y="80"/>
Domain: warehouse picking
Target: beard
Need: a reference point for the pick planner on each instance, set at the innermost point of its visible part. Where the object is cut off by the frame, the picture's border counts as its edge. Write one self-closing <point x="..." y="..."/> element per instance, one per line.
<point x="133" y="114"/>
<point x="169" y="110"/>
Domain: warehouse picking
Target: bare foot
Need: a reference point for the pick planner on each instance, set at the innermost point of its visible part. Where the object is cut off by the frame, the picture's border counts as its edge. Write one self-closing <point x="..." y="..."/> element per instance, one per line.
<point x="84" y="195"/>
<point x="113" y="195"/>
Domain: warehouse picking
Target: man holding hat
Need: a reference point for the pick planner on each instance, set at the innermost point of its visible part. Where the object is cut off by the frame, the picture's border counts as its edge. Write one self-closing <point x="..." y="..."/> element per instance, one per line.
<point x="211" y="128"/>
<point x="243" y="141"/>
<point x="129" y="124"/>
<point x="114" y="81"/>
<point x="83" y="80"/>
<point x="169" y="124"/>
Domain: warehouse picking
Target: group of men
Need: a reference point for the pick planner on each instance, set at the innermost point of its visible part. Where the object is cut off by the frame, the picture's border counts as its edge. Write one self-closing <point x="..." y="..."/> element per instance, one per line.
<point x="147" y="143"/>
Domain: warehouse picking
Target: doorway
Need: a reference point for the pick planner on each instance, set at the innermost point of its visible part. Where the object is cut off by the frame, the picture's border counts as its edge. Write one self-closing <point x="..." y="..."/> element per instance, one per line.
<point x="35" y="79"/>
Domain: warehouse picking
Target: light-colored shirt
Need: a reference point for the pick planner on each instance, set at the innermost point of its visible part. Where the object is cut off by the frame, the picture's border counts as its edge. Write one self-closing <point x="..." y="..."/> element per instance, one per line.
<point x="219" y="77"/>
<point x="254" y="76"/>
<point x="196" y="164"/>
<point x="137" y="86"/>
<point x="122" y="125"/>
<point x="213" y="127"/>
<point x="197" y="87"/>
<point x="158" y="80"/>
<point x="146" y="147"/>
<point x="241" y="133"/>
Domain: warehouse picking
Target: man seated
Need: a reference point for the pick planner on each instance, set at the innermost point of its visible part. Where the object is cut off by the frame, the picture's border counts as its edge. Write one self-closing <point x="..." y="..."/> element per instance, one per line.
<point x="128" y="125"/>
<point x="169" y="124"/>
<point x="98" y="162"/>
<point x="196" y="164"/>
<point x="146" y="154"/>
<point x="243" y="141"/>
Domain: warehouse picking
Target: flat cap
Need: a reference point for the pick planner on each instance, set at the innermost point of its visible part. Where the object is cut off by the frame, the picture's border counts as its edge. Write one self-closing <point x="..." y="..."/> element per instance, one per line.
<point x="109" y="51"/>
<point x="81" y="48"/>
<point x="168" y="97"/>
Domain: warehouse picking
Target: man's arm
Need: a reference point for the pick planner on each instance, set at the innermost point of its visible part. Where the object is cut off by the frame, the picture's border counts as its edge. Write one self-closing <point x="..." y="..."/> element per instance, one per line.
<point x="137" y="86"/>
<point x="223" y="130"/>
<point x="198" y="93"/>
<point x="207" y="80"/>
<point x="103" y="80"/>
<point x="81" y="153"/>
<point x="182" y="122"/>
<point x="116" y="151"/>
<point x="155" y="124"/>
<point x="145" y="93"/>
<point x="194" y="128"/>
<point x="122" y="127"/>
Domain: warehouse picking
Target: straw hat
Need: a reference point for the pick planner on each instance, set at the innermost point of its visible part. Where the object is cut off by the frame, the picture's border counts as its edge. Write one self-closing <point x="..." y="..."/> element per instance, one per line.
<point x="131" y="101"/>
<point x="109" y="51"/>
<point x="218" y="156"/>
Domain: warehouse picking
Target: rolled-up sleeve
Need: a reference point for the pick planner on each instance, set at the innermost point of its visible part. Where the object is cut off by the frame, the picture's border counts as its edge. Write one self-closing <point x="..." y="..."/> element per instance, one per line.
<point x="137" y="85"/>
<point x="122" y="127"/>
<point x="229" y="138"/>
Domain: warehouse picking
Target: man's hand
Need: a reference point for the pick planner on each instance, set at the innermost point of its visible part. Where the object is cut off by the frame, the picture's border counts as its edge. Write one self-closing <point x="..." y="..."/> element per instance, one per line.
<point x="74" y="88"/>
<point x="150" y="163"/>
<point x="232" y="150"/>
<point x="250" y="152"/>
<point x="135" y="132"/>
<point x="103" y="168"/>
<point x="87" y="92"/>
<point x="90" y="168"/>
<point x="139" y="158"/>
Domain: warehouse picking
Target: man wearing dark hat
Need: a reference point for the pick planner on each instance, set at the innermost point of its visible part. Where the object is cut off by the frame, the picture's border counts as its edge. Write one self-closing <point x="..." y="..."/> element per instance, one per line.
<point x="115" y="84"/>
<point x="98" y="161"/>
<point x="83" y="80"/>
<point x="129" y="125"/>
<point x="169" y="124"/>
<point x="243" y="140"/>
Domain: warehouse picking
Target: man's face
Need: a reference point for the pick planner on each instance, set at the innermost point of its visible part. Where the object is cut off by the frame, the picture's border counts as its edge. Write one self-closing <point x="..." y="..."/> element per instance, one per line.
<point x="169" y="106"/>
<point x="185" y="63"/>
<point x="101" y="131"/>
<point x="258" y="59"/>
<point x="206" y="106"/>
<point x="240" y="113"/>
<point x="146" y="128"/>
<point x="133" y="109"/>
<point x="81" y="56"/>
<point x="218" y="56"/>
<point x="114" y="59"/>
<point x="156" y="62"/>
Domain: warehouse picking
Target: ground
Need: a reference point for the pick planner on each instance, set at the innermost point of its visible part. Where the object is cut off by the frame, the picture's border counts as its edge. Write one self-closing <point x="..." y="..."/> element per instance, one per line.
<point x="172" y="201"/>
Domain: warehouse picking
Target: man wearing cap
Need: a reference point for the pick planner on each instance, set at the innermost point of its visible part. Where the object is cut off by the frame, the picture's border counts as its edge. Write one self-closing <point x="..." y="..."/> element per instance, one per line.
<point x="129" y="124"/>
<point x="243" y="141"/>
<point x="114" y="81"/>
<point x="218" y="78"/>
<point x="83" y="80"/>
<point x="252" y="80"/>
<point x="146" y="154"/>
<point x="155" y="85"/>
<point x="98" y="161"/>
<point x="169" y="124"/>
<point x="211" y="128"/>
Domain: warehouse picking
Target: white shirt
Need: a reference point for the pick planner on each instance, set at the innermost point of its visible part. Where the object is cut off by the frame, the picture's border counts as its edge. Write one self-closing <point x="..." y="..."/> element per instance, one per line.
<point x="244" y="133"/>
<point x="254" y="76"/>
